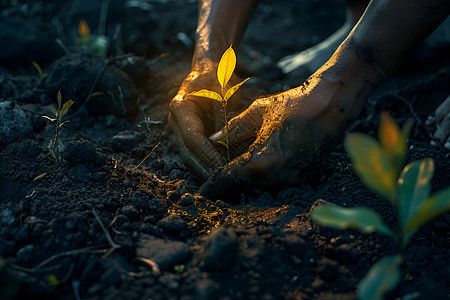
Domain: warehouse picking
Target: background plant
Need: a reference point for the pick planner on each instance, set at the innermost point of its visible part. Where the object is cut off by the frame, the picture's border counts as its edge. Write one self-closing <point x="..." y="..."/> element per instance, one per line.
<point x="225" y="70"/>
<point x="379" y="165"/>
<point x="56" y="146"/>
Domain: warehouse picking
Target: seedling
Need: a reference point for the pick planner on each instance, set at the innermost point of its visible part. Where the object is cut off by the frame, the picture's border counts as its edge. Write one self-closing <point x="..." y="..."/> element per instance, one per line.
<point x="226" y="67"/>
<point x="39" y="69"/>
<point x="56" y="146"/>
<point x="379" y="165"/>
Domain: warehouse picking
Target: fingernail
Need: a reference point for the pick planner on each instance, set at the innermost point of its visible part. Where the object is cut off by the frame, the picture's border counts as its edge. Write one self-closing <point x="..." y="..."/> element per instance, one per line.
<point x="216" y="135"/>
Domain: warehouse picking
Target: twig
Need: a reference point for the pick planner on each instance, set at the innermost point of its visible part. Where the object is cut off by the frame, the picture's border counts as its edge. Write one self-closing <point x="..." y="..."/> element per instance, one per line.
<point x="106" y="232"/>
<point x="146" y="156"/>
<point x="56" y="256"/>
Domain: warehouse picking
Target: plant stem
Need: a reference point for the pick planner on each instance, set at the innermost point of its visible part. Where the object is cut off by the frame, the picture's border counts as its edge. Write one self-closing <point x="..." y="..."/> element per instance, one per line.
<point x="226" y="131"/>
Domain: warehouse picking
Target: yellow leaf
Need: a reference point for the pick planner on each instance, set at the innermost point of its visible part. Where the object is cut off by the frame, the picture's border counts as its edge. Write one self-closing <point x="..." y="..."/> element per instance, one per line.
<point x="233" y="89"/>
<point x="207" y="94"/>
<point x="83" y="29"/>
<point x="389" y="133"/>
<point x="226" y="67"/>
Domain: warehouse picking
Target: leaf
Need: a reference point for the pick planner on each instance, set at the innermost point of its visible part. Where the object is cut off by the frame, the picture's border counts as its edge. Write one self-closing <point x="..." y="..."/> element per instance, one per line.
<point x="59" y="98"/>
<point x="371" y="163"/>
<point x="414" y="187"/>
<point x="436" y="204"/>
<point x="94" y="94"/>
<point x="66" y="107"/>
<point x="392" y="140"/>
<point x="222" y="143"/>
<point x="53" y="110"/>
<point x="360" y="218"/>
<point x="83" y="29"/>
<point x="48" y="118"/>
<point x="382" y="277"/>
<point x="226" y="67"/>
<point x="207" y="94"/>
<point x="233" y="89"/>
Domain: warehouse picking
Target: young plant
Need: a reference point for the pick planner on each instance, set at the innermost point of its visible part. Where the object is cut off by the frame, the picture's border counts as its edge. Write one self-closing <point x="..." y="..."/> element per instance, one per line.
<point x="56" y="146"/>
<point x="379" y="165"/>
<point x="226" y="67"/>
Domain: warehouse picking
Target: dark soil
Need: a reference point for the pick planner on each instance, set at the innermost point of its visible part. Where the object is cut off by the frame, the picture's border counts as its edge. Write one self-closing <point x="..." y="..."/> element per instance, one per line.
<point x="98" y="226"/>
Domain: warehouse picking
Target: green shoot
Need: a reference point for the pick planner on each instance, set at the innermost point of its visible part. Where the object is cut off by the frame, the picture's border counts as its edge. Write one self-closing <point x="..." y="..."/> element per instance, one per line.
<point x="226" y="67"/>
<point x="39" y="69"/>
<point x="56" y="146"/>
<point x="379" y="165"/>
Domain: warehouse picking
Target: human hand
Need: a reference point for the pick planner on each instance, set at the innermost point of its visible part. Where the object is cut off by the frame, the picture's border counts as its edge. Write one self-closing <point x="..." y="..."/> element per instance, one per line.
<point x="441" y="119"/>
<point x="194" y="118"/>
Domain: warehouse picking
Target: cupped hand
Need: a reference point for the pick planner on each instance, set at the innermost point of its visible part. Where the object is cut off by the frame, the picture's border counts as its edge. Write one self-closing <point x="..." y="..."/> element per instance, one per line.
<point x="194" y="118"/>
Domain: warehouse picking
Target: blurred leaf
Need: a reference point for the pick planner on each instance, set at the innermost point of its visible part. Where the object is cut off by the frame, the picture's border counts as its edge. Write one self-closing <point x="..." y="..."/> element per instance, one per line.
<point x="53" y="280"/>
<point x="382" y="277"/>
<point x="436" y="204"/>
<point x="39" y="69"/>
<point x="59" y="98"/>
<point x="233" y="89"/>
<point x="371" y="163"/>
<point x="207" y="94"/>
<point x="83" y="29"/>
<point x="95" y="94"/>
<point x="392" y="140"/>
<point x="414" y="187"/>
<point x="360" y="218"/>
<point x="226" y="67"/>
<point x="66" y="107"/>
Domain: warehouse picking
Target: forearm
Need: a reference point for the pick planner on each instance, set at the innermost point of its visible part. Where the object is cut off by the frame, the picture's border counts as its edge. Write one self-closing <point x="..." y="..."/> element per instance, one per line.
<point x="390" y="29"/>
<point x="221" y="23"/>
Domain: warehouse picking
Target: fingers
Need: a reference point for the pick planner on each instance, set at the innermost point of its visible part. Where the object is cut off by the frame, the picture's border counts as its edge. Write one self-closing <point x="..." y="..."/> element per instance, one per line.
<point x="442" y="115"/>
<point x="242" y="129"/>
<point x="197" y="150"/>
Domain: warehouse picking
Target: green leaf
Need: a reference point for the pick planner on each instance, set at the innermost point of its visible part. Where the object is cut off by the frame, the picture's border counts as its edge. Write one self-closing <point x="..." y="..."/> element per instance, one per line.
<point x="94" y="94"/>
<point x="226" y="67"/>
<point x="392" y="140"/>
<point x="207" y="94"/>
<point x="382" y="277"/>
<point x="372" y="164"/>
<point x="414" y="187"/>
<point x="59" y="98"/>
<point x="66" y="107"/>
<point x="436" y="204"/>
<point x="360" y="218"/>
<point x="233" y="89"/>
<point x="53" y="110"/>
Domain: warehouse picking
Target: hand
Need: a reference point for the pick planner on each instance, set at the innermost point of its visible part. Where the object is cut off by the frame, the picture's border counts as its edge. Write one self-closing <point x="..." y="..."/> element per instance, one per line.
<point x="278" y="135"/>
<point x="442" y="118"/>
<point x="194" y="118"/>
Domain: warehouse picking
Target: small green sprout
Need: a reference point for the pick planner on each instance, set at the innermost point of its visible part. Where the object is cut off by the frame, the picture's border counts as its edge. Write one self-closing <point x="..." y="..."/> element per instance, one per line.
<point x="56" y="146"/>
<point x="379" y="165"/>
<point x="226" y="67"/>
<point x="39" y="69"/>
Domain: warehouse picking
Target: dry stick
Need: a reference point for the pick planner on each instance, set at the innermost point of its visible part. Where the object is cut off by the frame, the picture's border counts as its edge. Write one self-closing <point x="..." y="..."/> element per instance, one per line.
<point x="146" y="156"/>
<point x="56" y="256"/>
<point x="114" y="246"/>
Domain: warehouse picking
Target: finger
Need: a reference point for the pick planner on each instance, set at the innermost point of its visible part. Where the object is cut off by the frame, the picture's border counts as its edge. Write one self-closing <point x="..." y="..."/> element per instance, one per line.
<point x="188" y="158"/>
<point x="185" y="118"/>
<point x="442" y="132"/>
<point x="443" y="110"/>
<point x="242" y="130"/>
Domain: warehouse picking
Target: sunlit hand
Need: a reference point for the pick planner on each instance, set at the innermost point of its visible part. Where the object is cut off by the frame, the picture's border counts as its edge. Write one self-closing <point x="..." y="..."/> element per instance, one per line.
<point x="194" y="118"/>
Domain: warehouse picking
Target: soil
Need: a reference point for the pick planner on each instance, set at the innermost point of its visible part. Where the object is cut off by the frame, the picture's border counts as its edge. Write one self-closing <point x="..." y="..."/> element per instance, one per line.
<point x="100" y="225"/>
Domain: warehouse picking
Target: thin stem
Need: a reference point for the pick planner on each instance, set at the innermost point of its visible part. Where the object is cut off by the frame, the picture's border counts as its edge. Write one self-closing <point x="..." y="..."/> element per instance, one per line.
<point x="226" y="129"/>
